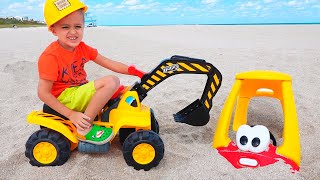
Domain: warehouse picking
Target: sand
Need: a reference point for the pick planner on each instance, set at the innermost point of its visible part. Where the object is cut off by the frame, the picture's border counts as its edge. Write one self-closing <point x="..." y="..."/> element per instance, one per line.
<point x="292" y="49"/>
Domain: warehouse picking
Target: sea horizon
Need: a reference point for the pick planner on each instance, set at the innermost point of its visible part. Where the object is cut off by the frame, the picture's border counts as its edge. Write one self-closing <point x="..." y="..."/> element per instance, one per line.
<point x="218" y="24"/>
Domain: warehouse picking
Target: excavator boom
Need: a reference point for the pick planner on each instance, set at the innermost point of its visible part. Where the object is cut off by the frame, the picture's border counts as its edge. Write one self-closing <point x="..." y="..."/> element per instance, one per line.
<point x="197" y="113"/>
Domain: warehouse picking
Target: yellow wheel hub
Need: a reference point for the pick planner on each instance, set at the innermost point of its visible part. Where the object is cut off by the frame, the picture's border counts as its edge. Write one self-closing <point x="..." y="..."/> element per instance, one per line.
<point x="143" y="153"/>
<point x="45" y="152"/>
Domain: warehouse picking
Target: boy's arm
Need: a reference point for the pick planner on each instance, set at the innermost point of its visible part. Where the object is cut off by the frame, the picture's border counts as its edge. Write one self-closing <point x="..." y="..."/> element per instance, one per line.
<point x="111" y="64"/>
<point x="77" y="118"/>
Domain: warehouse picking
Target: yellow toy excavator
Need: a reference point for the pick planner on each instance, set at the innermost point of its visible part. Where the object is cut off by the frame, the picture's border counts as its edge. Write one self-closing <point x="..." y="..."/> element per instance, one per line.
<point x="134" y="122"/>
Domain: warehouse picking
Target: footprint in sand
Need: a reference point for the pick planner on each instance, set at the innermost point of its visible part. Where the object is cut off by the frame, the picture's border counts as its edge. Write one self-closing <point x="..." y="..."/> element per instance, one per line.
<point x="22" y="70"/>
<point x="201" y="135"/>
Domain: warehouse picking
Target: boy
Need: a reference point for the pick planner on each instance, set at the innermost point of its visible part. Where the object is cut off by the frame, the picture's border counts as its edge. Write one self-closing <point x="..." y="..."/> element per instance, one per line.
<point x="62" y="79"/>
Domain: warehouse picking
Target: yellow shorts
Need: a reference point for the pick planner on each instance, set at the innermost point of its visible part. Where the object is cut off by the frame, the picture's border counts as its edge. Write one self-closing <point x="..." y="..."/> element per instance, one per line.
<point x="77" y="98"/>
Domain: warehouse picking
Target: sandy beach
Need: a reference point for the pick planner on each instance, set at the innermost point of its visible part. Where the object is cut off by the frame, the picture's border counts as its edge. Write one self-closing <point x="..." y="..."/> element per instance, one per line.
<point x="292" y="49"/>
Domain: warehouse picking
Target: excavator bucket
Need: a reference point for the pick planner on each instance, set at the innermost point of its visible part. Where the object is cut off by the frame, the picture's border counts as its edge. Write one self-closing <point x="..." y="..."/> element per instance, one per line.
<point x="194" y="114"/>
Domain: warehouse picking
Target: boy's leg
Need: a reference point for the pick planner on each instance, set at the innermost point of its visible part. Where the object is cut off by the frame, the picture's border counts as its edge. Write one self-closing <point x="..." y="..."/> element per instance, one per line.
<point x="105" y="88"/>
<point x="90" y="99"/>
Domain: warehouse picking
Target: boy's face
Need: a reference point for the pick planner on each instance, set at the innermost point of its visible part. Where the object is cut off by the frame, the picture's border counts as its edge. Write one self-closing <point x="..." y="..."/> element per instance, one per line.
<point x="69" y="30"/>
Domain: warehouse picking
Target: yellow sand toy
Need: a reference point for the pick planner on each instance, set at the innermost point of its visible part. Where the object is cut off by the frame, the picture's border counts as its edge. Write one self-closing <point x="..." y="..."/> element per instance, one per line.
<point x="253" y="147"/>
<point x="53" y="144"/>
<point x="134" y="122"/>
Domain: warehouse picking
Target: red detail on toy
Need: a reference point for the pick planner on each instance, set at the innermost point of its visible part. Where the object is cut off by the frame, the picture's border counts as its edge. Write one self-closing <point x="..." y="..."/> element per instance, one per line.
<point x="235" y="156"/>
<point x="99" y="134"/>
<point x="116" y="94"/>
<point x="132" y="70"/>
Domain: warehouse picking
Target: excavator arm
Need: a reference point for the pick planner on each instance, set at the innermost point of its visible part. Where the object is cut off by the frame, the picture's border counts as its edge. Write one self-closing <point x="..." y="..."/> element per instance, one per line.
<point x="197" y="113"/>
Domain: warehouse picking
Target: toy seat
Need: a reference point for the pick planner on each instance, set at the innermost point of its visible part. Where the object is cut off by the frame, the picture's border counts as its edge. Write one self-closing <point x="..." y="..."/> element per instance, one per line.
<point x="48" y="109"/>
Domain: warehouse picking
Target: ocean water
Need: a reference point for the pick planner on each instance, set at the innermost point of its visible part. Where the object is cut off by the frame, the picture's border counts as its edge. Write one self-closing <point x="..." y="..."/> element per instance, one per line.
<point x="230" y="24"/>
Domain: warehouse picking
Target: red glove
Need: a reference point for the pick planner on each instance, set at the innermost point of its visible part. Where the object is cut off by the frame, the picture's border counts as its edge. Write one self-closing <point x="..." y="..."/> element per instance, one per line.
<point x="132" y="70"/>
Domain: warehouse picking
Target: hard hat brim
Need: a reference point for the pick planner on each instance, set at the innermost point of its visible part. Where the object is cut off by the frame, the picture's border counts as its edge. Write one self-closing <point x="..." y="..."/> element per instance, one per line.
<point x="85" y="8"/>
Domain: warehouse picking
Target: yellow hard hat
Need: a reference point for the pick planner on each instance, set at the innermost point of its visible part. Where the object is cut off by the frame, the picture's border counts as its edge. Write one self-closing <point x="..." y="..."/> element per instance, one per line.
<point x="54" y="10"/>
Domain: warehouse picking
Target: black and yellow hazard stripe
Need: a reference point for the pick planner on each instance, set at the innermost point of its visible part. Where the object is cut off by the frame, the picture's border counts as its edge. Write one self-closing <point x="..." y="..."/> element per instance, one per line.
<point x="210" y="91"/>
<point x="158" y="75"/>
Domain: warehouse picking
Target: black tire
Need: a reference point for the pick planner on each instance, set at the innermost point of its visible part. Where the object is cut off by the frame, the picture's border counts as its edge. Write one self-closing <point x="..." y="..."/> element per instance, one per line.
<point x="274" y="142"/>
<point x="154" y="123"/>
<point x="58" y="143"/>
<point x="149" y="138"/>
<point x="124" y="133"/>
<point x="85" y="147"/>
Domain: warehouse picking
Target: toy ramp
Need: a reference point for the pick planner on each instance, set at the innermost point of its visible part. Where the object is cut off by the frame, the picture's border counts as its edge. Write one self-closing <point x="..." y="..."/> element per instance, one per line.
<point x="197" y="113"/>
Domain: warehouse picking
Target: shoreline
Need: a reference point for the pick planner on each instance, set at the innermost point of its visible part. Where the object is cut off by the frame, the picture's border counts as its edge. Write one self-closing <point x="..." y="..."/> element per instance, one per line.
<point x="164" y="25"/>
<point x="222" y="24"/>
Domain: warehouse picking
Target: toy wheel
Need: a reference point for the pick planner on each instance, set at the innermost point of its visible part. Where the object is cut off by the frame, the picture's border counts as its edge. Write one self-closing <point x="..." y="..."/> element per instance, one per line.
<point x="124" y="133"/>
<point x="143" y="150"/>
<point x="47" y="148"/>
<point x="154" y="123"/>
<point x="274" y="142"/>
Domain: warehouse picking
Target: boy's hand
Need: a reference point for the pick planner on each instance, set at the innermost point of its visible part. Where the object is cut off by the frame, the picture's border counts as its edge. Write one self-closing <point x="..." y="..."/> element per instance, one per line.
<point x="80" y="120"/>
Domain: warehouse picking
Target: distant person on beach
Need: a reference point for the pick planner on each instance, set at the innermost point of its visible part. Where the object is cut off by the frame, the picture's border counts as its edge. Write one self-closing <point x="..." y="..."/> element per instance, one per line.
<point x="63" y="83"/>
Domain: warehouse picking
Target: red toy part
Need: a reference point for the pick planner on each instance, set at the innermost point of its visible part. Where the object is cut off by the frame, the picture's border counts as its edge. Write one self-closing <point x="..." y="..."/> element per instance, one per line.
<point x="132" y="70"/>
<point x="241" y="159"/>
<point x="116" y="94"/>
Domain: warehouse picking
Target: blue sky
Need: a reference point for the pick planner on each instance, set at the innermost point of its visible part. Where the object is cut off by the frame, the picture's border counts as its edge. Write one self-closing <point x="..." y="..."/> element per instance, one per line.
<point x="155" y="12"/>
